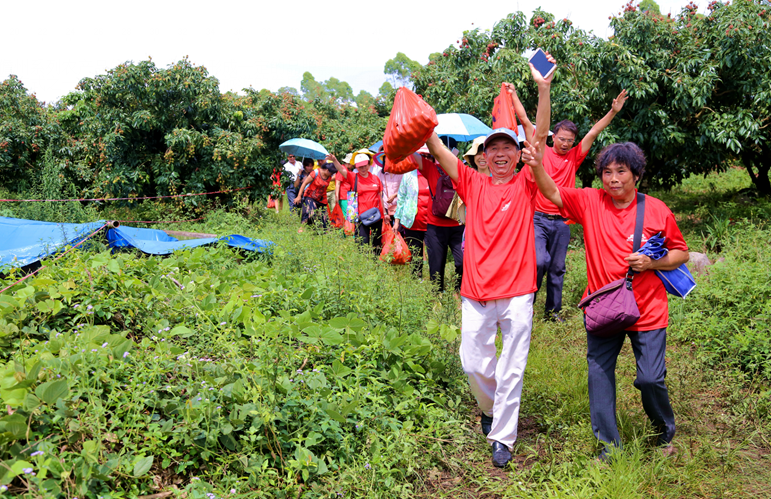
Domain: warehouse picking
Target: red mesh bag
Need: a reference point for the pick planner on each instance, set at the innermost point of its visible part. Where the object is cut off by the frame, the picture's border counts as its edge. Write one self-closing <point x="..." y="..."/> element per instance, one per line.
<point x="411" y="123"/>
<point x="336" y="216"/>
<point x="406" y="165"/>
<point x="348" y="227"/>
<point x="504" y="115"/>
<point x="395" y="249"/>
<point x="271" y="203"/>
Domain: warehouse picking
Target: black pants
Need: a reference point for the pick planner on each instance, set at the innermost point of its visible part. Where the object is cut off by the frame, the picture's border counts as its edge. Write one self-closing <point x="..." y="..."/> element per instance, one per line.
<point x="414" y="240"/>
<point x="438" y="240"/>
<point x="313" y="211"/>
<point x="371" y="235"/>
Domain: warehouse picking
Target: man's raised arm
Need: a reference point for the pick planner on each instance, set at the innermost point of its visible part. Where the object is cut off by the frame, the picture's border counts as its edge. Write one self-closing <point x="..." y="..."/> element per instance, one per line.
<point x="446" y="158"/>
<point x="532" y="155"/>
<point x="598" y="127"/>
<point x="519" y="109"/>
<point x="543" y="115"/>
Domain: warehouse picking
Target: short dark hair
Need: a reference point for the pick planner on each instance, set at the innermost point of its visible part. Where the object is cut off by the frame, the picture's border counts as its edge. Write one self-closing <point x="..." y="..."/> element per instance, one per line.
<point x="566" y="125"/>
<point x="628" y="154"/>
<point x="307" y="162"/>
<point x="449" y="142"/>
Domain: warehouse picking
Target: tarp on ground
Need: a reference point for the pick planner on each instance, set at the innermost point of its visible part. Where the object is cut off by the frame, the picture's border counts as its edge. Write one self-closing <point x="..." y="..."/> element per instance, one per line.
<point x="23" y="242"/>
<point x="157" y="242"/>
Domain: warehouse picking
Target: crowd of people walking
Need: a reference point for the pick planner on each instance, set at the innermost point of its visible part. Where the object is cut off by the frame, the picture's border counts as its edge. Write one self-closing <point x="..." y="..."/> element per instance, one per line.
<point x="502" y="211"/>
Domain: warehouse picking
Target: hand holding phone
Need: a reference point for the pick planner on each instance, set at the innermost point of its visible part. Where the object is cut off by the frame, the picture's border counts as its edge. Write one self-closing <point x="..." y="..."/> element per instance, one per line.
<point x="542" y="63"/>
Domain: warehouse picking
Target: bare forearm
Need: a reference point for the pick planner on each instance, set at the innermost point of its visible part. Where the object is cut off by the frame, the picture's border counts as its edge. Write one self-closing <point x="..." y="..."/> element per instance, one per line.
<point x="546" y="185"/>
<point x="446" y="158"/>
<point x="596" y="130"/>
<point x="671" y="260"/>
<point x="522" y="115"/>
<point x="543" y="115"/>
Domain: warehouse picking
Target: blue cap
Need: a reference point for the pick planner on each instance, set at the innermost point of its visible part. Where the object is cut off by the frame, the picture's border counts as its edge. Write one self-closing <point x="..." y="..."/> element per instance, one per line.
<point x="502" y="132"/>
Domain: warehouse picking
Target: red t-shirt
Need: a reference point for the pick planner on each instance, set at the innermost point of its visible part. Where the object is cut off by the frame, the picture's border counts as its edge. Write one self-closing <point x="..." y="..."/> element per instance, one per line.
<point x="317" y="188"/>
<point x="499" y="258"/>
<point x="431" y="173"/>
<point x="424" y="204"/>
<point x="344" y="185"/>
<point x="562" y="169"/>
<point x="369" y="189"/>
<point x="608" y="238"/>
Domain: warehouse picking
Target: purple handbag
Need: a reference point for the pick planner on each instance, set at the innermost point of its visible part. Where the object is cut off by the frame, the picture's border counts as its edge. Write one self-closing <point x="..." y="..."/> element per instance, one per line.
<point x="613" y="308"/>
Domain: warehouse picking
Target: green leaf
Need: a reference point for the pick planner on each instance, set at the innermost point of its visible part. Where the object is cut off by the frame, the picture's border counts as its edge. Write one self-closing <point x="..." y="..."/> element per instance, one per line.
<point x="32" y="374"/>
<point x="143" y="466"/>
<point x="181" y="331"/>
<point x="338" y="369"/>
<point x="332" y="413"/>
<point x="338" y="322"/>
<point x="51" y="391"/>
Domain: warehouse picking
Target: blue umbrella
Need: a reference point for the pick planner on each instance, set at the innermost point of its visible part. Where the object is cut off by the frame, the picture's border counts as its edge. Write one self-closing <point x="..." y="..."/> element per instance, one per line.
<point x="376" y="146"/>
<point x="304" y="148"/>
<point x="461" y="127"/>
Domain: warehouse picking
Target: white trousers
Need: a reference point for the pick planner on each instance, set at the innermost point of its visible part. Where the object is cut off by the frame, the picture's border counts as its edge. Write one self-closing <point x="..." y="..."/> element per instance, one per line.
<point x="497" y="382"/>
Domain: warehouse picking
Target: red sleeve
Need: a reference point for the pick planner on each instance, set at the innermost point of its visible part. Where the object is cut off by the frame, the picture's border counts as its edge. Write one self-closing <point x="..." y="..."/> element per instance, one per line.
<point x="574" y="203"/>
<point x="350" y="178"/>
<point x="460" y="185"/>
<point x="578" y="156"/>
<point x="672" y="232"/>
<point x="530" y="179"/>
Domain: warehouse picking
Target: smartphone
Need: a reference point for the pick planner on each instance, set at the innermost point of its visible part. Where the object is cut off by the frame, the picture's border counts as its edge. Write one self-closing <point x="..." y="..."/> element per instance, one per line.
<point x="542" y="64"/>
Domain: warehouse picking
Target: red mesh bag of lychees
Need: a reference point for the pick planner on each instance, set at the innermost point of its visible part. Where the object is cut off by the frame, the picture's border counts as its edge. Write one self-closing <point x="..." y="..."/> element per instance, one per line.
<point x="411" y="123"/>
<point x="504" y="115"/>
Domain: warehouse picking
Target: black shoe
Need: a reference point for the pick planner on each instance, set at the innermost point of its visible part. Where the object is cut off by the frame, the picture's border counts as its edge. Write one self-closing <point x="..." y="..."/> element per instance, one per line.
<point x="501" y="455"/>
<point x="487" y="423"/>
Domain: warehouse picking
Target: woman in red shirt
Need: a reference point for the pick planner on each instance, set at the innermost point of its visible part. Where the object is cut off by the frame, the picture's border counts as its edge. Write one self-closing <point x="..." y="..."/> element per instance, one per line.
<point x="369" y="190"/>
<point x="313" y="195"/>
<point x="608" y="217"/>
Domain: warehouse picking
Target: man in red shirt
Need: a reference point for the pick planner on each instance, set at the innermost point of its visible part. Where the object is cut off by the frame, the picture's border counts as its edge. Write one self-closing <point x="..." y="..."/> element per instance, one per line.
<point x="561" y="162"/>
<point x="499" y="281"/>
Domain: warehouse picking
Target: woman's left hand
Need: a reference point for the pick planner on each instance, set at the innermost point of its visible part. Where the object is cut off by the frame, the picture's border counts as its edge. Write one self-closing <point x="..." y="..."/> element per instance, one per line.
<point x="639" y="262"/>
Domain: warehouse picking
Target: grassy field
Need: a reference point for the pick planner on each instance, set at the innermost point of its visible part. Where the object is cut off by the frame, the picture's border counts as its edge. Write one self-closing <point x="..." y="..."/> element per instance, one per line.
<point x="319" y="372"/>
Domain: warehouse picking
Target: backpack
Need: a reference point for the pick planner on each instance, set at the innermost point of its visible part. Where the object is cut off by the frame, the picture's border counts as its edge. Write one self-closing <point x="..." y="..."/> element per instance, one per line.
<point x="444" y="194"/>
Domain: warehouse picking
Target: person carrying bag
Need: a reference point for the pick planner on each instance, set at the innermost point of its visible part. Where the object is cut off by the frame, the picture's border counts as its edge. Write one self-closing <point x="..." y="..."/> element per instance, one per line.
<point x="613" y="308"/>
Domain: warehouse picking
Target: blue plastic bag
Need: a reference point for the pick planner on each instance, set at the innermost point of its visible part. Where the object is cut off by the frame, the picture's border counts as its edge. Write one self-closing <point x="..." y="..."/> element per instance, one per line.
<point x="677" y="282"/>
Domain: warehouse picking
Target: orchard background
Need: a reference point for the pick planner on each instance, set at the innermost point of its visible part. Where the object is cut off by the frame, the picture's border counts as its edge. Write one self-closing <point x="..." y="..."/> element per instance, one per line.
<point x="700" y="88"/>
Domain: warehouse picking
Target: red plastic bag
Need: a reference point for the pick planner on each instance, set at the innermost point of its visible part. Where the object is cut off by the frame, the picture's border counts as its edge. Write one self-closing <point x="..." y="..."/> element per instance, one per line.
<point x="336" y="217"/>
<point x="406" y="165"/>
<point x="395" y="249"/>
<point x="348" y="227"/>
<point x="271" y="203"/>
<point x="411" y="123"/>
<point x="504" y="115"/>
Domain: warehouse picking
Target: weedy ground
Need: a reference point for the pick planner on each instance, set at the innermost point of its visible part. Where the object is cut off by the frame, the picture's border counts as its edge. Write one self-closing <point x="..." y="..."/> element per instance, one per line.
<point x="320" y="372"/>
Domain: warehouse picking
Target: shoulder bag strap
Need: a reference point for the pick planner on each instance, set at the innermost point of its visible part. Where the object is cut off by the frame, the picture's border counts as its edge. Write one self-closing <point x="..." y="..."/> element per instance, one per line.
<point x="355" y="183"/>
<point x="638" y="228"/>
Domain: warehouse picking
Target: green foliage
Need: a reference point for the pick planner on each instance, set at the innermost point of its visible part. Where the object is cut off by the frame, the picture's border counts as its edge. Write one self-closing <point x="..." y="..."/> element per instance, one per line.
<point x="649" y="6"/>
<point x="400" y="69"/>
<point x="25" y="133"/>
<point x="698" y="85"/>
<point x="282" y="373"/>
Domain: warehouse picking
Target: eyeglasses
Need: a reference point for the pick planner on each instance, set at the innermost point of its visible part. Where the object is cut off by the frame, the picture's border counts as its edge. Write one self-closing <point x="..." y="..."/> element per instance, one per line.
<point x="565" y="140"/>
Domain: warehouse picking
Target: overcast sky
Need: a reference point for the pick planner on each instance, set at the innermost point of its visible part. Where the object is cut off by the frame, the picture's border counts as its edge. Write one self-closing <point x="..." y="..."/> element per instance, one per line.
<point x="51" y="45"/>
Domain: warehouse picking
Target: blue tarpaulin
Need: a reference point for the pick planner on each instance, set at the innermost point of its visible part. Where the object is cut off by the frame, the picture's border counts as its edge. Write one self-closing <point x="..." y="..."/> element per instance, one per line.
<point x="23" y="242"/>
<point x="157" y="242"/>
